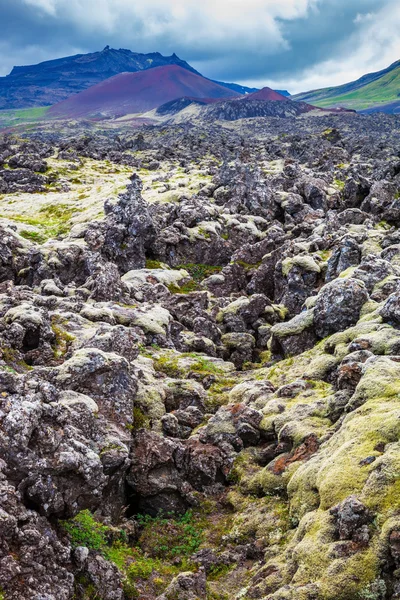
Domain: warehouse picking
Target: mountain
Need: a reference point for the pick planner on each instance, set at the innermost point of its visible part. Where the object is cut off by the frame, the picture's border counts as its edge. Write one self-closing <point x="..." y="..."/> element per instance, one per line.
<point x="265" y="94"/>
<point x="55" y="80"/>
<point x="375" y="92"/>
<point x="132" y="93"/>
<point x="240" y="89"/>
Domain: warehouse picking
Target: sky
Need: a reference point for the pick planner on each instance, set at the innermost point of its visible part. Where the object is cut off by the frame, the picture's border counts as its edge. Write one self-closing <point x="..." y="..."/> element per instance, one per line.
<point x="286" y="44"/>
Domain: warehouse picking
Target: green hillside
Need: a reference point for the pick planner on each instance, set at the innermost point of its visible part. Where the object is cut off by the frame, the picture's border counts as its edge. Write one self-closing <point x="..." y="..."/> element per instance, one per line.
<point x="10" y="118"/>
<point x="377" y="89"/>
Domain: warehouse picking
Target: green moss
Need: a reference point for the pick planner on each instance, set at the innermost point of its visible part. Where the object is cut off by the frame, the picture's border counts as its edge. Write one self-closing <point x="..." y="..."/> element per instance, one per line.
<point x="153" y="264"/>
<point x="186" y="288"/>
<point x="198" y="272"/>
<point x="53" y="220"/>
<point x="203" y="365"/>
<point x="33" y="236"/>
<point x="304" y="262"/>
<point x="13" y="361"/>
<point x="266" y="520"/>
<point x="63" y="339"/>
<point x="140" y="419"/>
<point x="218" y="393"/>
<point x="339" y="184"/>
<point x="168" y="365"/>
<point x="175" y="365"/>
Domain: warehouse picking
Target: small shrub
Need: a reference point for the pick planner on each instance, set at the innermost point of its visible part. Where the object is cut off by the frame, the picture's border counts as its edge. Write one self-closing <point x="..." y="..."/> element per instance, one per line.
<point x="84" y="530"/>
<point x="171" y="538"/>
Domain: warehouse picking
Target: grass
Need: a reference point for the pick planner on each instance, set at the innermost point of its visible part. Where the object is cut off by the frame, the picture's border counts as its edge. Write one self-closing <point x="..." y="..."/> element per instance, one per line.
<point x="379" y="92"/>
<point x="10" y="118"/>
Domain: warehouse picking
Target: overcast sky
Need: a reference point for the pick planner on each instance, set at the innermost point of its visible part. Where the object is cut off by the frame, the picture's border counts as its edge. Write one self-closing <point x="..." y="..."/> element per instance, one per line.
<point x="293" y="44"/>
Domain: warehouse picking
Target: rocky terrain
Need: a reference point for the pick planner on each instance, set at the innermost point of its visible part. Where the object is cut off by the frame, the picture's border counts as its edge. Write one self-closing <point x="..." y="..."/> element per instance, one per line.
<point x="200" y="361"/>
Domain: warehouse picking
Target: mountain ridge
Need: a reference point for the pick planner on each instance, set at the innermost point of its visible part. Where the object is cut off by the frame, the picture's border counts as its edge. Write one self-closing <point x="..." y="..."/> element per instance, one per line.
<point x="377" y="91"/>
<point x="53" y="81"/>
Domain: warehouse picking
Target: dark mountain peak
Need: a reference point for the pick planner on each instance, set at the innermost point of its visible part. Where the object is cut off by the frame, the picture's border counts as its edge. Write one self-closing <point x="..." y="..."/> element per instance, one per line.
<point x="52" y="81"/>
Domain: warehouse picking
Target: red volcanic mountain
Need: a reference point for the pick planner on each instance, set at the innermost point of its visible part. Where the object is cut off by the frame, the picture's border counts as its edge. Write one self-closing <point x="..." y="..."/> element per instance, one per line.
<point x="132" y="93"/>
<point x="265" y="94"/>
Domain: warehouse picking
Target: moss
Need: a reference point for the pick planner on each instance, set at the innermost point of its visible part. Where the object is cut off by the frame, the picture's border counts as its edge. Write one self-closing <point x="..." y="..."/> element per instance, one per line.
<point x="266" y="520"/>
<point x="186" y="288"/>
<point x="180" y="365"/>
<point x="53" y="220"/>
<point x="13" y="360"/>
<point x="304" y="262"/>
<point x="248" y="266"/>
<point x="33" y="236"/>
<point x="336" y="578"/>
<point x="140" y="419"/>
<point x="339" y="184"/>
<point x="295" y="326"/>
<point x="63" y="339"/>
<point x="218" y="393"/>
<point x="206" y="234"/>
<point x="153" y="264"/>
<point x="168" y="365"/>
<point x="84" y="588"/>
<point x="198" y="272"/>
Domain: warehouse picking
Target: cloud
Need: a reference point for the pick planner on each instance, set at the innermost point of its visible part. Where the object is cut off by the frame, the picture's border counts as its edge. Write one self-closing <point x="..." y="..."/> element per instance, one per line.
<point x="295" y="44"/>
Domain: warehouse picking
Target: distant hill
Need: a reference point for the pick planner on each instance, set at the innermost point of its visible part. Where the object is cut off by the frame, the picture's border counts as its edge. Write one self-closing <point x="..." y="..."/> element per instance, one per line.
<point x="375" y="92"/>
<point x="265" y="94"/>
<point x="55" y="80"/>
<point x="263" y="103"/>
<point x="132" y="93"/>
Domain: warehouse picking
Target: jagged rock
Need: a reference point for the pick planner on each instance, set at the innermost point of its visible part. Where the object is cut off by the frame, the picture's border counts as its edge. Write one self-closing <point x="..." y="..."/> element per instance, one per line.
<point x="390" y="311"/>
<point x="338" y="306"/>
<point x="186" y="586"/>
<point x="351" y="520"/>
<point x="116" y="394"/>
<point x="164" y="473"/>
<point x="128" y="230"/>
